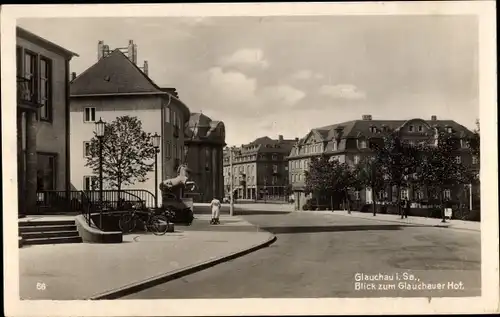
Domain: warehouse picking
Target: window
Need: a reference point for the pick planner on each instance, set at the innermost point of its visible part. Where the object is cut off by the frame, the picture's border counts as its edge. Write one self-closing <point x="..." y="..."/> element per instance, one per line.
<point x="458" y="159"/>
<point x="89" y="114"/>
<point x="419" y="195"/>
<point x="382" y="195"/>
<point x="410" y="128"/>
<point x="404" y="193"/>
<point x="275" y="168"/>
<point x="447" y="194"/>
<point x="465" y="144"/>
<point x="86" y="149"/>
<point x="357" y="195"/>
<point x="275" y="180"/>
<point x="275" y="157"/>
<point x="168" y="152"/>
<point x="167" y="115"/>
<point x="420" y="128"/>
<point x="334" y="145"/>
<point x="90" y="183"/>
<point x="450" y="130"/>
<point x="175" y="151"/>
<point x="46" y="171"/>
<point x="356" y="159"/>
<point x="362" y="144"/>
<point x="30" y="75"/>
<point x="45" y="89"/>
<point x="475" y="160"/>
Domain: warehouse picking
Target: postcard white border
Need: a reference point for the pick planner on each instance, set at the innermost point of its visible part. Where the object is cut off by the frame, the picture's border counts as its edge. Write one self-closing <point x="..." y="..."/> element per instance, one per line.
<point x="487" y="303"/>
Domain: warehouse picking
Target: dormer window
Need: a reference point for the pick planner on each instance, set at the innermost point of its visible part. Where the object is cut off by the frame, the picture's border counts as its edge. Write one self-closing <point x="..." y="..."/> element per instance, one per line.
<point x="420" y="128"/>
<point x="411" y="128"/>
<point x="373" y="129"/>
<point x="362" y="144"/>
<point x="465" y="144"/>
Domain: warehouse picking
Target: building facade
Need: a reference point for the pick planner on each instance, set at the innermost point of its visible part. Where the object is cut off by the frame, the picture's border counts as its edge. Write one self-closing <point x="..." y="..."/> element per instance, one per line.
<point x="349" y="142"/>
<point x="43" y="125"/>
<point x="115" y="86"/>
<point x="259" y="169"/>
<point x="204" y="144"/>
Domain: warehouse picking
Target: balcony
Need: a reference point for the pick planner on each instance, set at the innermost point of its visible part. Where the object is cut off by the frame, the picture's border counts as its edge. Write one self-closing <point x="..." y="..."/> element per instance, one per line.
<point x="26" y="97"/>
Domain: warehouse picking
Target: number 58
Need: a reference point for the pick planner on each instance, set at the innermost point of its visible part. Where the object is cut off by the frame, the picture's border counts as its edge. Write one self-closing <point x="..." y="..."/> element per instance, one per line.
<point x="41" y="286"/>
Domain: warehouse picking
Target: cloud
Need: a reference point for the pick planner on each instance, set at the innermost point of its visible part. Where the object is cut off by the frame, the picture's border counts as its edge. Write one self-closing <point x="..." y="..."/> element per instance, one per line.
<point x="236" y="93"/>
<point x="246" y="57"/>
<point x="306" y="74"/>
<point x="284" y="94"/>
<point x="343" y="91"/>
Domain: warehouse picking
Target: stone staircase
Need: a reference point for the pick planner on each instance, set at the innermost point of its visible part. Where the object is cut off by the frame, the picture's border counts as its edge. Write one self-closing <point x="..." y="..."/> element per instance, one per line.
<point x="48" y="232"/>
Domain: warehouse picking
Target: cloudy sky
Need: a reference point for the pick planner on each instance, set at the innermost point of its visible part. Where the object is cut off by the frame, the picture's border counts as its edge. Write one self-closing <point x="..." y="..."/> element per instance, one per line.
<point x="286" y="75"/>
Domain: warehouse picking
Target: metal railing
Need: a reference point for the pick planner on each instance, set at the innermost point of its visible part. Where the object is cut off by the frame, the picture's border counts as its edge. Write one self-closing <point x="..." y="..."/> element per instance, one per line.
<point x="88" y="203"/>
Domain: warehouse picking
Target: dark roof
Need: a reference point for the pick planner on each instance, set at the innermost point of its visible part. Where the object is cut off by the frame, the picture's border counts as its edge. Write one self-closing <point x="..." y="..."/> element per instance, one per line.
<point x="202" y="128"/>
<point x="51" y="46"/>
<point x="199" y="120"/>
<point x="113" y="74"/>
<point x="355" y="128"/>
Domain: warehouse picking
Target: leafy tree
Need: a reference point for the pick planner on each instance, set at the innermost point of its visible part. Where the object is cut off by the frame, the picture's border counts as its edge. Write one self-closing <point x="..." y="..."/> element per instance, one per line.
<point x="127" y="152"/>
<point x="439" y="168"/>
<point x="398" y="161"/>
<point x="474" y="141"/>
<point x="368" y="173"/>
<point x="328" y="178"/>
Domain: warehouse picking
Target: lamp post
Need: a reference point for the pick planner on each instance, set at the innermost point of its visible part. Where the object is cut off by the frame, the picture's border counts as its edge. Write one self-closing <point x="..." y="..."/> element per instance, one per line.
<point x="99" y="131"/>
<point x="231" y="198"/>
<point x="156" y="139"/>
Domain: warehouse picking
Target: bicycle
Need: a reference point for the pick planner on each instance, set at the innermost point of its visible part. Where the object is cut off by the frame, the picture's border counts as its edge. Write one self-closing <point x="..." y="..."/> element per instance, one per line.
<point x="157" y="224"/>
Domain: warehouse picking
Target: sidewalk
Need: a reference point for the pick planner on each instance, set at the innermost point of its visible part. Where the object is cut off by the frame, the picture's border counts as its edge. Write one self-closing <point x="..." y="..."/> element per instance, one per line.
<point x="431" y="222"/>
<point x="271" y="207"/>
<point x="84" y="271"/>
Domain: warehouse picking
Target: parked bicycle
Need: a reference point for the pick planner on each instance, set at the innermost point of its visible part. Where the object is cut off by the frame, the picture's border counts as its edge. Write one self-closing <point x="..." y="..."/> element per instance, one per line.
<point x="157" y="224"/>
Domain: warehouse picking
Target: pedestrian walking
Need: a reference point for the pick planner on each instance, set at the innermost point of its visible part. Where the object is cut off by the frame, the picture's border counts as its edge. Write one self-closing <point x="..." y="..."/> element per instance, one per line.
<point x="215" y="204"/>
<point x="406" y="208"/>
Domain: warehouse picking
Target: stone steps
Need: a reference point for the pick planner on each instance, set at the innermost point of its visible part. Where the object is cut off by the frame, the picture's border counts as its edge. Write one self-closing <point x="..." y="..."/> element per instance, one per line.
<point x="48" y="232"/>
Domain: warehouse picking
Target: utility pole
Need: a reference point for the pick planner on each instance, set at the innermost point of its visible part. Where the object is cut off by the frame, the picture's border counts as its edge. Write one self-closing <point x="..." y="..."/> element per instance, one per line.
<point x="231" y="198"/>
<point x="470" y="197"/>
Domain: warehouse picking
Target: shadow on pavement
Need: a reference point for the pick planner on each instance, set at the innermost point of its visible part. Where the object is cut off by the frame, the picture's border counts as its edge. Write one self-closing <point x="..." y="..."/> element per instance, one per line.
<point x="245" y="212"/>
<point x="313" y="229"/>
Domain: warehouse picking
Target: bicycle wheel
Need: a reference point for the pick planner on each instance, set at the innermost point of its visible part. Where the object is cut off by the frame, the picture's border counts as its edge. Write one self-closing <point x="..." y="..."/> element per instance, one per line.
<point x="158" y="225"/>
<point x="127" y="223"/>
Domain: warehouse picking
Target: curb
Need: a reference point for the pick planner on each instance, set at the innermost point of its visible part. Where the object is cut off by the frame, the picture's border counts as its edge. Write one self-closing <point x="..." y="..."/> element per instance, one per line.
<point x="172" y="275"/>
<point x="397" y="221"/>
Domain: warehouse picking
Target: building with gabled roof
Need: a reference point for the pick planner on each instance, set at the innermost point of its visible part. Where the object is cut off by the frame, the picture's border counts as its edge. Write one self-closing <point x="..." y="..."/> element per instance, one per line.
<point x="116" y="86"/>
<point x="260" y="169"/>
<point x="348" y="142"/>
<point x="43" y="125"/>
<point x="204" y="142"/>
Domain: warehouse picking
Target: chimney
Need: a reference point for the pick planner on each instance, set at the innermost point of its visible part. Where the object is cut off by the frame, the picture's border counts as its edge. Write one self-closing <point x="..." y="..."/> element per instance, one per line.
<point x="106" y="51"/>
<point x="73" y="76"/>
<point x="100" y="50"/>
<point x="280" y="138"/>
<point x="296" y="139"/>
<point x="433" y="118"/>
<point x="145" y="68"/>
<point x="366" y="117"/>
<point x="132" y="51"/>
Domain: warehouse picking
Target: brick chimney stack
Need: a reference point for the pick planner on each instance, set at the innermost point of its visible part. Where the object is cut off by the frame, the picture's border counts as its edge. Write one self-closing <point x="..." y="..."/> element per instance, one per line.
<point x="433" y="118"/>
<point x="73" y="76"/>
<point x="145" y="68"/>
<point x="366" y="117"/>
<point x="100" y="50"/>
<point x="280" y="138"/>
<point x="132" y="51"/>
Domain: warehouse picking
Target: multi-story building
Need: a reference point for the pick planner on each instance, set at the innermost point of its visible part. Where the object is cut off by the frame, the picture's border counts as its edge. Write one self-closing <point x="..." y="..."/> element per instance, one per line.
<point x="43" y="146"/>
<point x="348" y="142"/>
<point x="259" y="168"/>
<point x="115" y="86"/>
<point x="204" y="143"/>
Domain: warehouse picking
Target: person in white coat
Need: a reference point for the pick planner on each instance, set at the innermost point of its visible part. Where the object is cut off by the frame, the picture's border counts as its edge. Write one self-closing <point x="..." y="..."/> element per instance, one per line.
<point x="215" y="204"/>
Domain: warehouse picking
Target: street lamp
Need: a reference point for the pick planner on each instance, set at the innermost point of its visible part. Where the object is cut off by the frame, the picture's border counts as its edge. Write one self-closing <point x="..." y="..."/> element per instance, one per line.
<point x="156" y="139"/>
<point x="231" y="186"/>
<point x="99" y="131"/>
